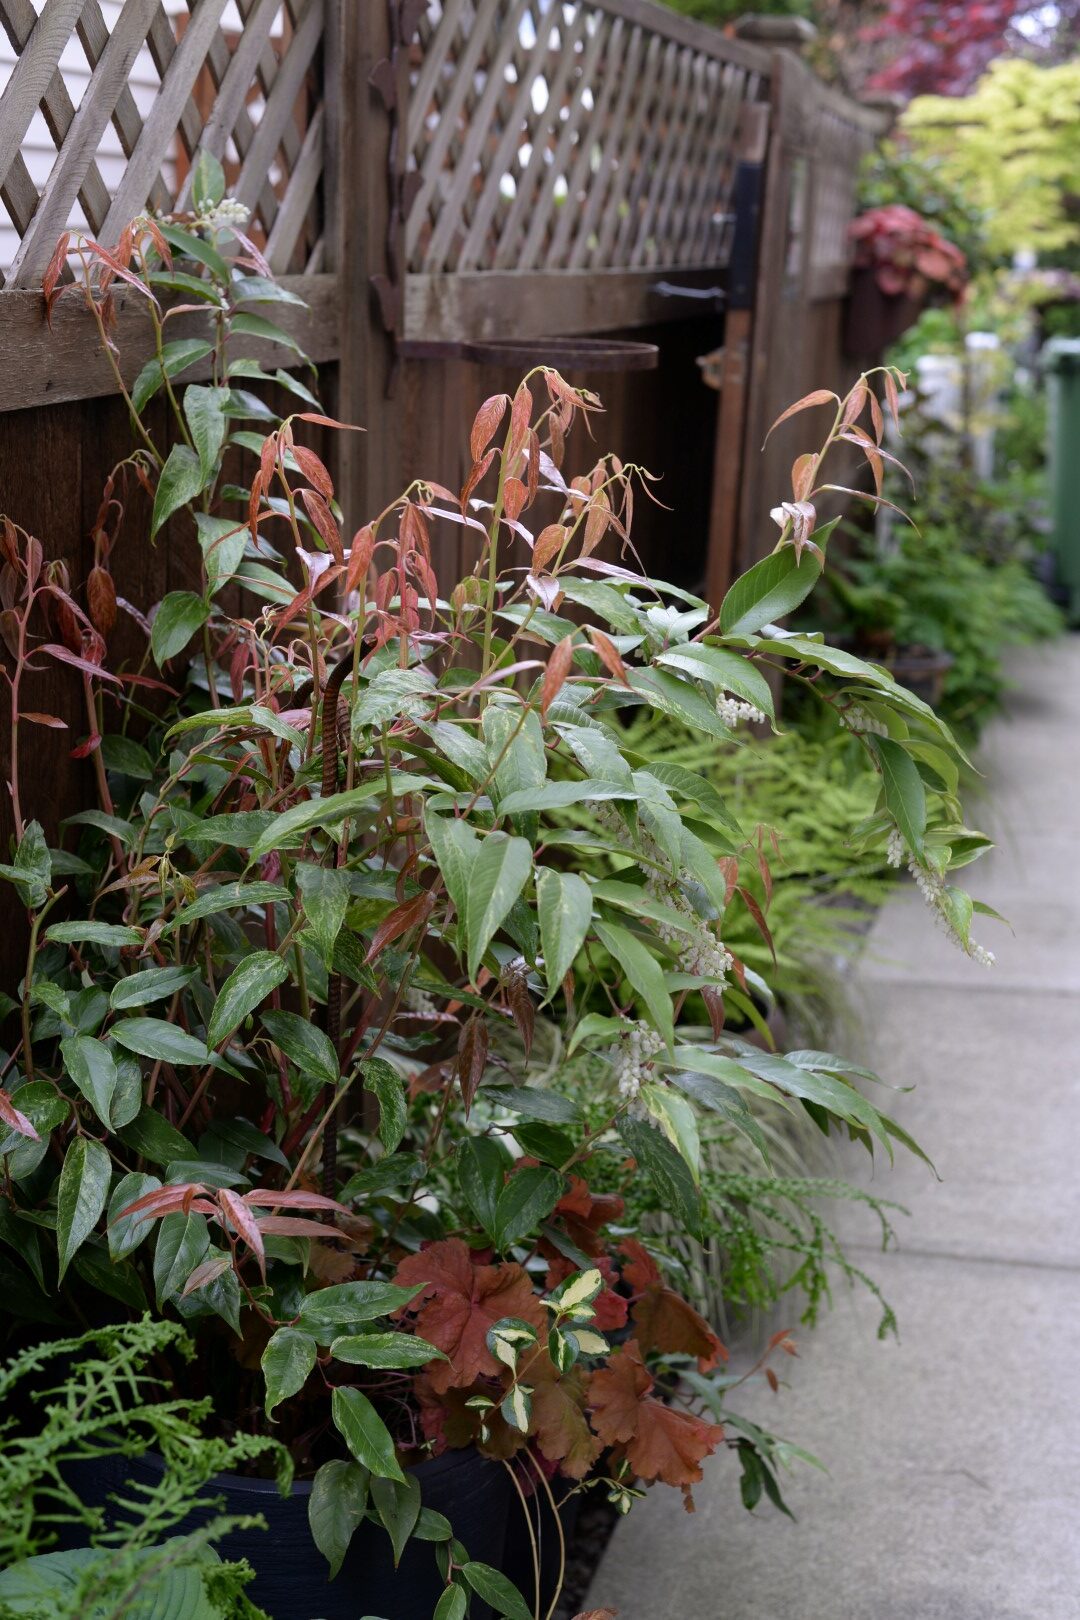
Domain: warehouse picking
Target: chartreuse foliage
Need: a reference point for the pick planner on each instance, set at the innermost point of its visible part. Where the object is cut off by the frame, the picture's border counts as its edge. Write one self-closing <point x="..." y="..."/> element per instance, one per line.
<point x="273" y="917"/>
<point x="94" y="1397"/>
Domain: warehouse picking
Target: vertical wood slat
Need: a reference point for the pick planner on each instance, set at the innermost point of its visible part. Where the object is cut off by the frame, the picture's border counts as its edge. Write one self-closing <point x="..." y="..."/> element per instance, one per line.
<point x="280" y="104"/>
<point x="296" y="204"/>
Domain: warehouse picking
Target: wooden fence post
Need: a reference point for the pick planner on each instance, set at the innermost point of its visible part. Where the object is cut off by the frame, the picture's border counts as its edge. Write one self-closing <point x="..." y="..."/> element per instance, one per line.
<point x="731" y="417"/>
<point x="366" y="90"/>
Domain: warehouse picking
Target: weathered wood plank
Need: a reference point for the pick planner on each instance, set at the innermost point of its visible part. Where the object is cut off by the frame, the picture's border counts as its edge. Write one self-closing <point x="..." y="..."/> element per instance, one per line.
<point x="32" y="73"/>
<point x="43" y="367"/>
<point x="280" y="104"/>
<point x="544" y="303"/>
<point x="299" y="194"/>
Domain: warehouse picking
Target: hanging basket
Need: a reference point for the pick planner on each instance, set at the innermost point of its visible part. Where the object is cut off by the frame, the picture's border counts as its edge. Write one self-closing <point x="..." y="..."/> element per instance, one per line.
<point x="873" y="320"/>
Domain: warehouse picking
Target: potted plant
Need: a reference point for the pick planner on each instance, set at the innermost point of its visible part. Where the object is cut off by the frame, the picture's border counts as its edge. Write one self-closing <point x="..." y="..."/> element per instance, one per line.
<point x="901" y="265"/>
<point x="270" y="1069"/>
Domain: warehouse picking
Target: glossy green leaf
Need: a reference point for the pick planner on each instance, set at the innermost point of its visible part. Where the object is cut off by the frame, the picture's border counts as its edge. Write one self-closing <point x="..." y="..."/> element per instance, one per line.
<point x="365" y="1433"/>
<point x="309" y="1047"/>
<point x="175" y="358"/>
<point x="87" y="932"/>
<point x="249" y="984"/>
<point x="339" y="1495"/>
<point x="455" y="846"/>
<point x="385" y="1350"/>
<point x="286" y="1362"/>
<point x="634" y="959"/>
<point x="205" y="412"/>
<point x="525" y="1203"/>
<point x="397" y="1503"/>
<point x="452" y="1604"/>
<point x="232" y="896"/>
<point x="179" y="617"/>
<point x="769" y="590"/>
<point x="288" y="829"/>
<point x="126" y="1233"/>
<point x="156" y="1038"/>
<point x="325" y="894"/>
<point x="385" y="1083"/>
<point x="182" y="1243"/>
<point x="152" y="984"/>
<point x="152" y="1137"/>
<point x="494" y="1587"/>
<point x="564" y="906"/>
<point x="92" y="1067"/>
<point x="905" y="796"/>
<point x="499" y="873"/>
<point x="667" y="1170"/>
<point x="81" y="1195"/>
<point x="666" y="693"/>
<point x="344" y="1304"/>
<point x="180" y="481"/>
<point x="723" y="669"/>
<point x="482" y="1166"/>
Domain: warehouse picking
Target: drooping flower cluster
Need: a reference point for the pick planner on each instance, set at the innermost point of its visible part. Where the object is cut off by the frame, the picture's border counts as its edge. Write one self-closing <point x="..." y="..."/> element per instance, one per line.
<point x="699" y="950"/>
<point x="931" y="885"/>
<point x="856" y="718"/>
<point x="734" y="711"/>
<point x="633" y="1056"/>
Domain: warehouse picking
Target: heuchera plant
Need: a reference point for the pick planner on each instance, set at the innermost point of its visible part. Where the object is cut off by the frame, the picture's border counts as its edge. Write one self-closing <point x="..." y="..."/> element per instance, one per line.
<point x="269" y="1067"/>
<point x="906" y="254"/>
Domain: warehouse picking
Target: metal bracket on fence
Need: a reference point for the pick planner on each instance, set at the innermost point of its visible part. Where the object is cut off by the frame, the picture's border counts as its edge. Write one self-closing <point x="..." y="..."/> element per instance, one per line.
<point x="563" y="353"/>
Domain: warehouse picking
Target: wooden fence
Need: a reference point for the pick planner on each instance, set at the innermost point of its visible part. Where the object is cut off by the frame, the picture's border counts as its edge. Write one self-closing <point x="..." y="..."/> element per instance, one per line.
<point x="427" y="174"/>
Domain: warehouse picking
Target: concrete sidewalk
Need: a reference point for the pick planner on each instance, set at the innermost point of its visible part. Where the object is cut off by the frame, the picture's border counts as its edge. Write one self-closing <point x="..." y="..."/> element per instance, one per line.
<point x="954" y="1454"/>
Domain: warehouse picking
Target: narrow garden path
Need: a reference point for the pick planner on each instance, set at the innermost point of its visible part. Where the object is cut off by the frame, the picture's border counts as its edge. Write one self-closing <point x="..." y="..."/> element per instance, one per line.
<point x="953" y="1490"/>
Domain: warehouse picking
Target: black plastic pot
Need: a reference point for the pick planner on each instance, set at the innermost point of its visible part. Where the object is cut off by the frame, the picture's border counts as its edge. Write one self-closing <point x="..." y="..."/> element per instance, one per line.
<point x="922" y="672"/>
<point x="291" y="1574"/>
<point x="518" y="1559"/>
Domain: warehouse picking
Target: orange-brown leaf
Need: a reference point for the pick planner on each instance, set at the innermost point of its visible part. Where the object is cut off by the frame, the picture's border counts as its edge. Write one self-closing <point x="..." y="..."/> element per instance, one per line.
<point x="608" y="654"/>
<point x="558" y="668"/>
<point x="549" y="542"/>
<point x="558" y="1418"/>
<point x="459" y="1302"/>
<point x="616" y="1393"/>
<point x="485" y="422"/>
<point x="670" y="1445"/>
<point x="667" y="1323"/>
<point x="472" y="1055"/>
<point x="400" y="921"/>
<point x="819" y="396"/>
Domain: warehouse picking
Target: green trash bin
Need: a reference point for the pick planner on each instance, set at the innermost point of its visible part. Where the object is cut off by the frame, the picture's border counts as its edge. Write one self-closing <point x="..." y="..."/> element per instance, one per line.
<point x="1061" y="363"/>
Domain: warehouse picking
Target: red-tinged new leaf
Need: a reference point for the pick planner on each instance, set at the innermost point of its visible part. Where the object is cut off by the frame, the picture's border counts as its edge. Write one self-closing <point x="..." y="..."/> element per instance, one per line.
<point x="120" y="269"/>
<point x="67" y="657"/>
<point x="876" y="417"/>
<point x="51" y="720"/>
<point x="802" y="475"/>
<point x="101" y="597"/>
<point x="294" y="1226"/>
<point x="522" y="1010"/>
<point x="457" y="1304"/>
<point x="515" y="496"/>
<point x="758" y="919"/>
<point x="273" y="1199"/>
<point x="360" y="555"/>
<point x="477" y="473"/>
<point x="323" y="520"/>
<point x="893" y="399"/>
<point x="714" y="1006"/>
<point x="596" y="524"/>
<point x="520" y="418"/>
<point x="209" y="1271"/>
<point x="314" y="471"/>
<point x="50" y="281"/>
<point x="819" y="396"/>
<point x="558" y="668"/>
<point x="328" y="421"/>
<point x="485" y="423"/>
<point x="472" y="1055"/>
<point x="15" y="1119"/>
<point x="163" y="1201"/>
<point x="608" y="654"/>
<point x="853" y="405"/>
<point x="549" y="543"/>
<point x="89" y="746"/>
<point x="245" y="1223"/>
<point x="400" y="921"/>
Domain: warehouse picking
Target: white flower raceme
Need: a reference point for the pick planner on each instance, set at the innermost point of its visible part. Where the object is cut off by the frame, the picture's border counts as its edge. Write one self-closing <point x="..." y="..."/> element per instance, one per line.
<point x="224" y="215"/>
<point x="856" y="718"/>
<point x="633" y="1056"/>
<point x="700" y="951"/>
<point x="733" y="711"/>
<point x="931" y="885"/>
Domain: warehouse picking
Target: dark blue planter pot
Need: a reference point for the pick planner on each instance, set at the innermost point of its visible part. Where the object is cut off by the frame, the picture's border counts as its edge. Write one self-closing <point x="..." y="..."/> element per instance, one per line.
<point x="291" y="1574"/>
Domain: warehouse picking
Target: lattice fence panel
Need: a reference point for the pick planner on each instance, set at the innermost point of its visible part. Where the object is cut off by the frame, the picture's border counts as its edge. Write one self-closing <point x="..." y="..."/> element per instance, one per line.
<point x="839" y="142"/>
<point x="105" y="104"/>
<point x="563" y="134"/>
